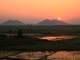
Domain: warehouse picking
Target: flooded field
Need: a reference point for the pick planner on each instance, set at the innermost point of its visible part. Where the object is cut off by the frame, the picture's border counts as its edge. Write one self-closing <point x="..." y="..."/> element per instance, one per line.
<point x="48" y="37"/>
<point x="54" y="38"/>
<point x="47" y="55"/>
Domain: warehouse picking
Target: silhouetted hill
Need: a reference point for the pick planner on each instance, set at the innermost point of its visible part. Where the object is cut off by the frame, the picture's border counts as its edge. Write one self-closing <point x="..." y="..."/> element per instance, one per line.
<point x="12" y="22"/>
<point x="52" y="22"/>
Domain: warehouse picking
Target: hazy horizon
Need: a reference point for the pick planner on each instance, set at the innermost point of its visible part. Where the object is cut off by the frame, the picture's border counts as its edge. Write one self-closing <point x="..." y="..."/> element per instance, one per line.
<point x="34" y="11"/>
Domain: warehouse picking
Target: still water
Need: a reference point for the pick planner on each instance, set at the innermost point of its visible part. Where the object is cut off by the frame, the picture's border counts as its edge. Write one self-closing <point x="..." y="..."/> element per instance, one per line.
<point x="49" y="55"/>
<point x="54" y="38"/>
<point x="51" y="38"/>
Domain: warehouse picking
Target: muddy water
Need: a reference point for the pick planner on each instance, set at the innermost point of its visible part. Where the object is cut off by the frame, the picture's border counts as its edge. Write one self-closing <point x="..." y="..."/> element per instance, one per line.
<point x="49" y="55"/>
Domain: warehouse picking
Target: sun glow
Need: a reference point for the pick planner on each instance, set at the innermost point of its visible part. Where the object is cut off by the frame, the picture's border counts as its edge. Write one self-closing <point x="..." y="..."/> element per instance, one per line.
<point x="59" y="18"/>
<point x="35" y="10"/>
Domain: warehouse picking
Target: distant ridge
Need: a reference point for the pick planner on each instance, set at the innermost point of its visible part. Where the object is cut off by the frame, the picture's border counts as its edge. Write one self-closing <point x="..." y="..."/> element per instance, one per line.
<point x="12" y="22"/>
<point x="52" y="22"/>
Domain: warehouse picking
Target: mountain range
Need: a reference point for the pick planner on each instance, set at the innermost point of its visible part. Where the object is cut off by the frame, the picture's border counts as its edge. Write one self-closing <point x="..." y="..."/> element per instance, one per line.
<point x="44" y="22"/>
<point x="13" y="22"/>
<point x="52" y="22"/>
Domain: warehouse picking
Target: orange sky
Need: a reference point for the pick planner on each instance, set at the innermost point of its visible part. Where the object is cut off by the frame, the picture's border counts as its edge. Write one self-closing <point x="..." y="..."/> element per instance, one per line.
<point x="65" y="9"/>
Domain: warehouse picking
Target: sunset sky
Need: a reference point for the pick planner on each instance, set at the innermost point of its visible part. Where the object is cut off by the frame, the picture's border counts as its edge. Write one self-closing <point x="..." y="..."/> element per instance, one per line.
<point x="32" y="11"/>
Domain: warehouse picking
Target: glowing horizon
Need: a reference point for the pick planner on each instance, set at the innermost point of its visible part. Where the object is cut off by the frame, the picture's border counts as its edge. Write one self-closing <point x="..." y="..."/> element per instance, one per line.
<point x="51" y="9"/>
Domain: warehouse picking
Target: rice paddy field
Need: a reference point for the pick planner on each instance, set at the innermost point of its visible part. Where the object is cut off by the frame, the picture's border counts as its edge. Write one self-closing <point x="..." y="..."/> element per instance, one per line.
<point x="11" y="45"/>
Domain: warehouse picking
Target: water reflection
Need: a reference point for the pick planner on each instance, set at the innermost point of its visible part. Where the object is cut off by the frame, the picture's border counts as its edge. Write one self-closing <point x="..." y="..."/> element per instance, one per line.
<point x="53" y="38"/>
<point x="62" y="55"/>
<point x="49" y="55"/>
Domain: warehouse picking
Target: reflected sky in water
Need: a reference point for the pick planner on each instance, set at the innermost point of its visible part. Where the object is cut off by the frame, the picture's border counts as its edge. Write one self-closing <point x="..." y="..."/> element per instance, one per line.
<point x="53" y="38"/>
<point x="59" y="55"/>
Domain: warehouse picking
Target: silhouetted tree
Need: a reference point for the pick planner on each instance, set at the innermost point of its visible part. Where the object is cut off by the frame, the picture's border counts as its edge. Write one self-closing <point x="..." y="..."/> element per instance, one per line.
<point x="19" y="33"/>
<point x="10" y="33"/>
